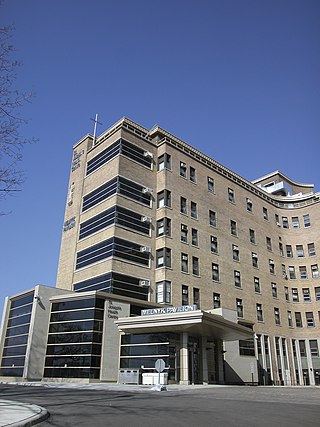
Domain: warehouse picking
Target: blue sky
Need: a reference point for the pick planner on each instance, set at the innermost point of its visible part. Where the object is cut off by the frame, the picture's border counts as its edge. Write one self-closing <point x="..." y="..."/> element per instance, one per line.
<point x="237" y="79"/>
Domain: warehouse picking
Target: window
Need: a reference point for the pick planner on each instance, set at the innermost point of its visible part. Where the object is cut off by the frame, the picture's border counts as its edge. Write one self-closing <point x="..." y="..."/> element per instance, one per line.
<point x="184" y="233"/>
<point x="259" y="312"/>
<point x="285" y="223"/>
<point x="249" y="205"/>
<point x="284" y="273"/>
<point x="183" y="205"/>
<point x="269" y="243"/>
<point x="193" y="177"/>
<point x="233" y="227"/>
<point x="194" y="211"/>
<point x="196" y="297"/>
<point x="276" y="216"/>
<point x="164" y="162"/>
<point x="183" y="170"/>
<point x="235" y="253"/>
<point x="295" y="295"/>
<point x="306" y="221"/>
<point x="295" y="222"/>
<point x="163" y="257"/>
<point x="314" y="349"/>
<point x="254" y="257"/>
<point x="309" y="319"/>
<point x="271" y="266"/>
<point x="252" y="236"/>
<point x="265" y="214"/>
<point x="185" y="295"/>
<point x="246" y="347"/>
<point x="302" y="347"/>
<point x="286" y="293"/>
<point x="314" y="271"/>
<point x="289" y="251"/>
<point x="212" y="218"/>
<point x="311" y="249"/>
<point x="239" y="305"/>
<point x="306" y="294"/>
<point x="163" y="292"/>
<point x="277" y="316"/>
<point x="184" y="263"/>
<point x="237" y="279"/>
<point x="210" y="184"/>
<point x="281" y="249"/>
<point x="215" y="272"/>
<point x="164" y="199"/>
<point x="194" y="237"/>
<point x="317" y="293"/>
<point x="274" y="290"/>
<point x="214" y="244"/>
<point x="292" y="272"/>
<point x="257" y="287"/>
<point x="231" y="195"/>
<point x="299" y="251"/>
<point x="164" y="227"/>
<point x="195" y="266"/>
<point x="298" y="317"/>
<point x="303" y="272"/>
<point x="216" y="300"/>
<point x="289" y="314"/>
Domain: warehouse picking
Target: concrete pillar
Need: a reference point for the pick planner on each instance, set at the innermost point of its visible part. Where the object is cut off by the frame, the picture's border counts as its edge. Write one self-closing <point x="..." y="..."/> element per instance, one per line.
<point x="184" y="360"/>
<point x="204" y="356"/>
<point x="220" y="359"/>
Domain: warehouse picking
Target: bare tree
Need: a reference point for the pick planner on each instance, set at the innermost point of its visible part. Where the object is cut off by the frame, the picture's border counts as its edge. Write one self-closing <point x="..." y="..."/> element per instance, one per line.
<point x="11" y="101"/>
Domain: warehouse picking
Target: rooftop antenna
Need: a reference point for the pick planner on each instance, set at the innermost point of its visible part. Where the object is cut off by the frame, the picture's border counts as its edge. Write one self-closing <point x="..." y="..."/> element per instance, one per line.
<point x="95" y="120"/>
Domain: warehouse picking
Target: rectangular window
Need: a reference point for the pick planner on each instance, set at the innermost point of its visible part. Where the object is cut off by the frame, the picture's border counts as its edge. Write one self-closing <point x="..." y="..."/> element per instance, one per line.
<point x="252" y="236"/>
<point x="281" y="249"/>
<point x="235" y="253"/>
<point x="303" y="272"/>
<point x="277" y="316"/>
<point x="302" y="348"/>
<point x="257" y="287"/>
<point x="184" y="263"/>
<point x="183" y="205"/>
<point x="184" y="233"/>
<point x="214" y="244"/>
<point x="306" y="294"/>
<point x="210" y="184"/>
<point x="286" y="293"/>
<point x="163" y="258"/>
<point x="194" y="210"/>
<point x="289" y="314"/>
<point x="194" y="237"/>
<point x="276" y="216"/>
<point x="271" y="266"/>
<point x="246" y="347"/>
<point x="311" y="249"/>
<point x="259" y="312"/>
<point x="314" y="271"/>
<point x="195" y="266"/>
<point x="298" y="317"/>
<point x="164" y="199"/>
<point x="317" y="293"/>
<point x="306" y="221"/>
<point x="284" y="273"/>
<point x="295" y="222"/>
<point x="231" y="195"/>
<point x="292" y="272"/>
<point x="216" y="300"/>
<point x="193" y="177"/>
<point x="254" y="258"/>
<point x="163" y="292"/>
<point x="239" y="306"/>
<point x="295" y="295"/>
<point x="212" y="218"/>
<point x="164" y="162"/>
<point x="196" y="297"/>
<point x="215" y="272"/>
<point x="237" y="279"/>
<point x="183" y="170"/>
<point x="314" y="349"/>
<point x="289" y="251"/>
<point x="309" y="319"/>
<point x="269" y="243"/>
<point x="249" y="205"/>
<point x="299" y="251"/>
<point x="285" y="223"/>
<point x="164" y="227"/>
<point x="233" y="228"/>
<point x="265" y="214"/>
<point x="274" y="290"/>
<point x="185" y="295"/>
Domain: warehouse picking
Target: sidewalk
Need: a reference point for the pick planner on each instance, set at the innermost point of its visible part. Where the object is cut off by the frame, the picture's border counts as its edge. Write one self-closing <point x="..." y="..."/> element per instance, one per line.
<point x="17" y="414"/>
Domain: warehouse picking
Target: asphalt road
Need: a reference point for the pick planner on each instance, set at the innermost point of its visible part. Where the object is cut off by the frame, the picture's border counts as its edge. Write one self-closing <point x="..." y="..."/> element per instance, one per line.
<point x="216" y="406"/>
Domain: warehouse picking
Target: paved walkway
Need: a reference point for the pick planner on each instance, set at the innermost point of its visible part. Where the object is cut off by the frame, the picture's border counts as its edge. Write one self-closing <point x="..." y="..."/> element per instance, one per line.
<point x="17" y="414"/>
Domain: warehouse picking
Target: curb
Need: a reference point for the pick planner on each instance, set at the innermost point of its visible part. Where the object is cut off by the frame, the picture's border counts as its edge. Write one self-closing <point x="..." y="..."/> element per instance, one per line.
<point x="35" y="414"/>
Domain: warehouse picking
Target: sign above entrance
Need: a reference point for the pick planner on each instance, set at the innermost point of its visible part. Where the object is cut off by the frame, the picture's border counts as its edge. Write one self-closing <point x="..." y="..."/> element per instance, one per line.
<point x="166" y="310"/>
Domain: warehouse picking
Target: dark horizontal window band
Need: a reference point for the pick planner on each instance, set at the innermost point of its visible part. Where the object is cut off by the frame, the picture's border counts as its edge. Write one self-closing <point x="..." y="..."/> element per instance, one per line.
<point x="77" y="304"/>
<point x="11" y="372"/>
<point x="71" y="372"/>
<point x="73" y="349"/>
<point x="122" y="147"/>
<point x="75" y="337"/>
<point x="66" y="316"/>
<point x="112" y="247"/>
<point x="117" y="185"/>
<point x="77" y="326"/>
<point x="114" y="283"/>
<point x="114" y="215"/>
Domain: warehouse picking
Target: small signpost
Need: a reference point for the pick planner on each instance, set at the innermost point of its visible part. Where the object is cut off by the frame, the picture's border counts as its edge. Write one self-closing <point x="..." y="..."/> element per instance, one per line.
<point x="160" y="367"/>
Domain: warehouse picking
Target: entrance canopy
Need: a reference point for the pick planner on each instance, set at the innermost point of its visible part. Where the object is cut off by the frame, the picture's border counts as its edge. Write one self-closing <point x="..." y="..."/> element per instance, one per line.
<point x="197" y="323"/>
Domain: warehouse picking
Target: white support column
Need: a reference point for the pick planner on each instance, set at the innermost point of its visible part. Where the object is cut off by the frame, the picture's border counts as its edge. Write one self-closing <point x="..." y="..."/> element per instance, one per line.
<point x="309" y="360"/>
<point x="204" y="352"/>
<point x="184" y="360"/>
